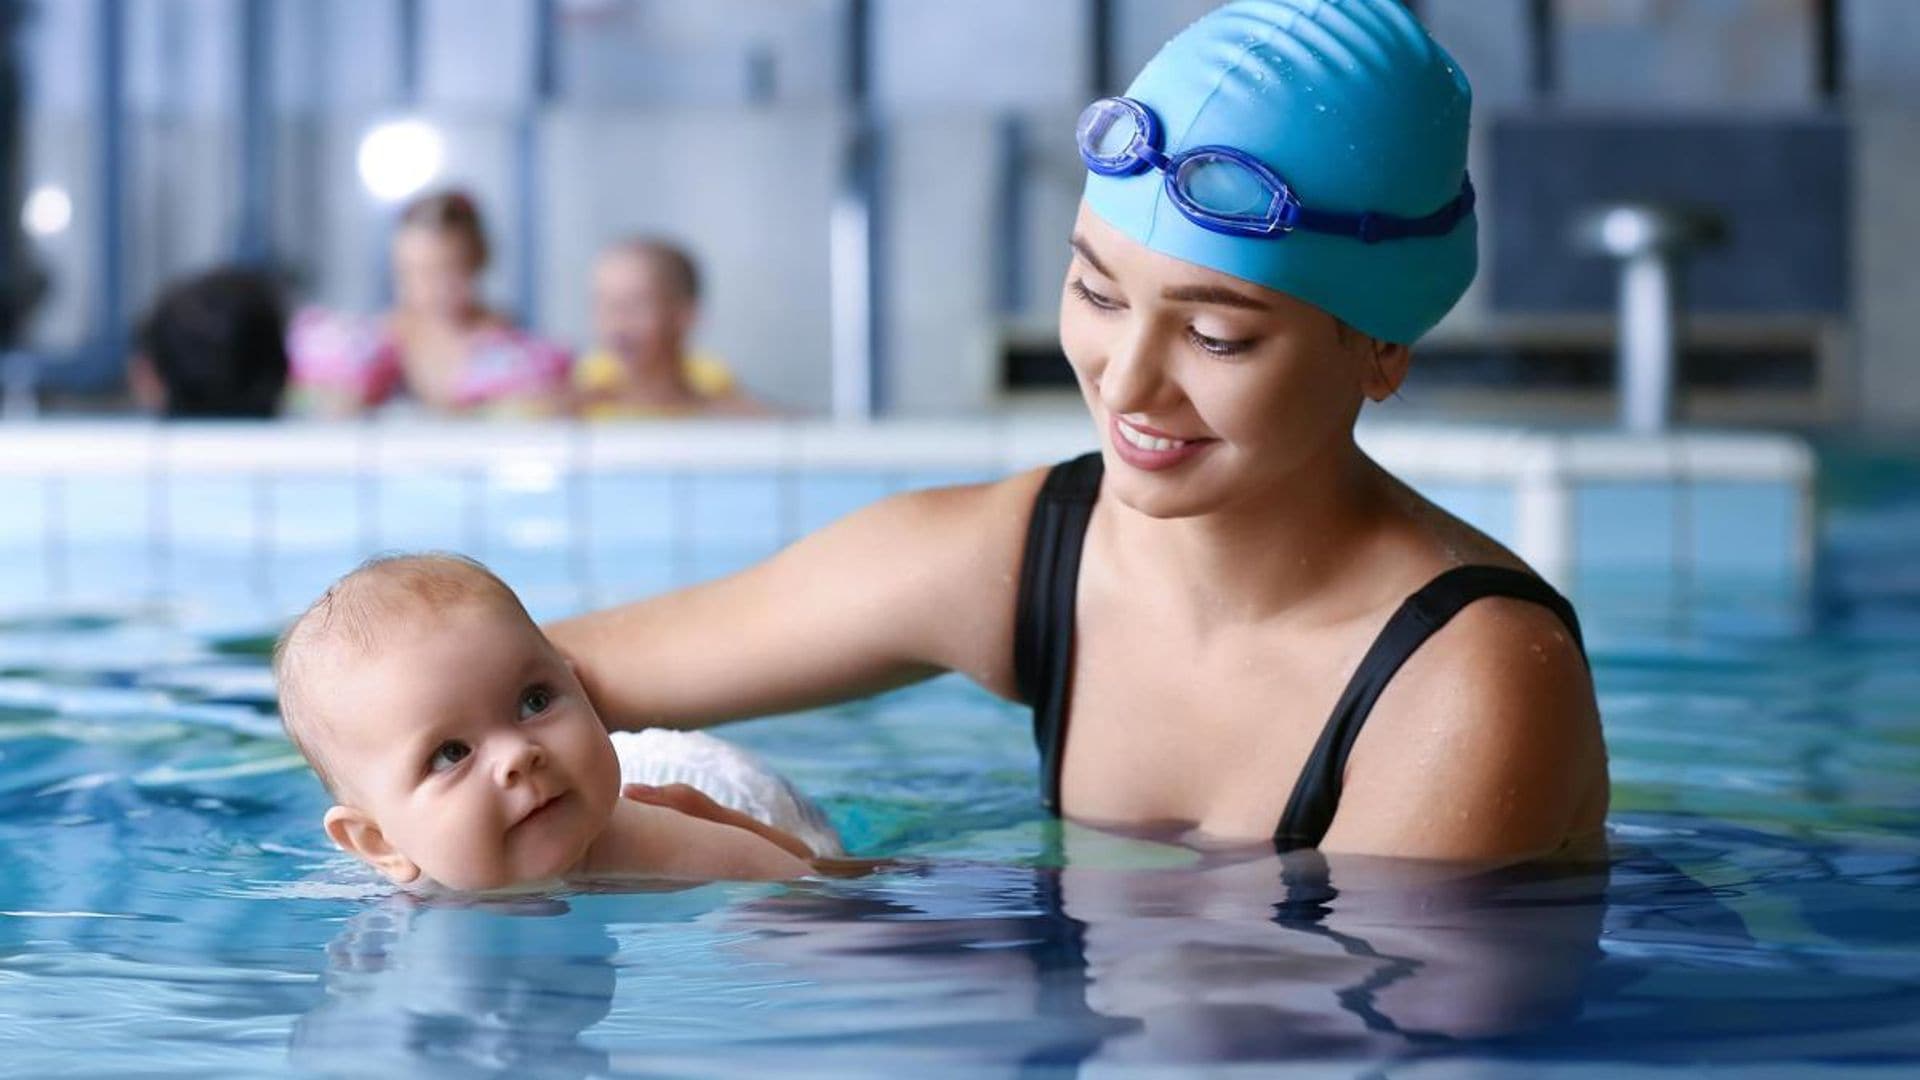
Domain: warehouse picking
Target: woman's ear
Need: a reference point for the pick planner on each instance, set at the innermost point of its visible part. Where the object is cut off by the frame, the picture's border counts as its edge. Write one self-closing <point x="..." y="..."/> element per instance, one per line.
<point x="1386" y="368"/>
<point x="356" y="834"/>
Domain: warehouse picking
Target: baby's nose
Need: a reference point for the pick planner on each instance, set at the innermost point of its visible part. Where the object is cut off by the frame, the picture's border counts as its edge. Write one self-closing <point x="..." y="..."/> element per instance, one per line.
<point x="523" y="757"/>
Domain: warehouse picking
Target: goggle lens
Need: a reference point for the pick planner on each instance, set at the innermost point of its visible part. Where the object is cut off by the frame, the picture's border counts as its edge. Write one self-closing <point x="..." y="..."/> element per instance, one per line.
<point x="1224" y="187"/>
<point x="1107" y="132"/>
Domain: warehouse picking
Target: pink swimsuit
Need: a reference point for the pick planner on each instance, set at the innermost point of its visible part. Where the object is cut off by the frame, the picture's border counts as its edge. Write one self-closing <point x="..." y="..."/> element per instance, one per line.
<point x="361" y="357"/>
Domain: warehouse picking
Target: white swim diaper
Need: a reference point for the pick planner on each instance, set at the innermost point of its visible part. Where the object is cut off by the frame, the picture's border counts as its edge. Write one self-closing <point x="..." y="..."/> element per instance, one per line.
<point x="728" y="775"/>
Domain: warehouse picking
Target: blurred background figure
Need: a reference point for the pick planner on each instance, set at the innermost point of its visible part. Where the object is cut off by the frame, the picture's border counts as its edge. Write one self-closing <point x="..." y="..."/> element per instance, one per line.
<point x="212" y="347"/>
<point x="441" y="346"/>
<point x="876" y="191"/>
<point x="646" y="303"/>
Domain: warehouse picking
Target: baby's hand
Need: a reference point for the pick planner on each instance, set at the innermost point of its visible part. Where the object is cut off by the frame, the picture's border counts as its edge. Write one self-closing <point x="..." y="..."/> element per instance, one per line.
<point x="693" y="802"/>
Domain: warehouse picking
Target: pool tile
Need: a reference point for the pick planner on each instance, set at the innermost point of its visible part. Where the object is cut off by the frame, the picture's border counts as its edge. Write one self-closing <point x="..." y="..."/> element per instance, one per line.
<point x="822" y="499"/>
<point x="415" y="511"/>
<point x="628" y="508"/>
<point x="736" y="510"/>
<point x="322" y="513"/>
<point x="23" y="510"/>
<point x="1745" y="528"/>
<point x="1486" y="507"/>
<point x="219" y="512"/>
<point x="526" y="520"/>
<point x="104" y="507"/>
<point x="1626" y="525"/>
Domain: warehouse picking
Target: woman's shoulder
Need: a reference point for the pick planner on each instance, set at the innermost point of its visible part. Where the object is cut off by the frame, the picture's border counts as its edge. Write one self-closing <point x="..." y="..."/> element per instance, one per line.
<point x="1499" y="642"/>
<point x="1500" y="622"/>
<point x="1485" y="744"/>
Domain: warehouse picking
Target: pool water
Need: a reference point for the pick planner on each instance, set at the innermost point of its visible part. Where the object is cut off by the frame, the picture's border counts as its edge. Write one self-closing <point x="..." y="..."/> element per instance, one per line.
<point x="168" y="906"/>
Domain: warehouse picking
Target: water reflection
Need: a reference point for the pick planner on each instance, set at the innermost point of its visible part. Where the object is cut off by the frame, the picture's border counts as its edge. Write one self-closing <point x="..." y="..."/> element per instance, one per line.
<point x="440" y="989"/>
<point x="1122" y="961"/>
<point x="1237" y="957"/>
<point x="1262" y="957"/>
<point x="1233" y="958"/>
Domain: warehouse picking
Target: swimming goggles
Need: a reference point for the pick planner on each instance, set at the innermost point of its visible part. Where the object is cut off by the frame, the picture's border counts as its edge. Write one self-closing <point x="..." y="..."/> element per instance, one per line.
<point x="1226" y="191"/>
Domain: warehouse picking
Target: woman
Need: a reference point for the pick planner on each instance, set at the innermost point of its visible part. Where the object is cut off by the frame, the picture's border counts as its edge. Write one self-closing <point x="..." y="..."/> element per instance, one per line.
<point x="441" y="346"/>
<point x="1186" y="609"/>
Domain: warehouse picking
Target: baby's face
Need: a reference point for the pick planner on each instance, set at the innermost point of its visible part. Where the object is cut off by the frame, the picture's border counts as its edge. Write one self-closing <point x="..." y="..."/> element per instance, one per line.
<point x="470" y="744"/>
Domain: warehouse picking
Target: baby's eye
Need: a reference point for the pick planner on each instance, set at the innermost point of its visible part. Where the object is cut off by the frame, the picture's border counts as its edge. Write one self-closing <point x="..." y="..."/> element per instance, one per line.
<point x="447" y="755"/>
<point x="534" y="700"/>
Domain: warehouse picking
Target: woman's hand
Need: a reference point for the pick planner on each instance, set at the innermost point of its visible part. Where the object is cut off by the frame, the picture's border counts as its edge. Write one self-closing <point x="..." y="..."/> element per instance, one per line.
<point x="693" y="802"/>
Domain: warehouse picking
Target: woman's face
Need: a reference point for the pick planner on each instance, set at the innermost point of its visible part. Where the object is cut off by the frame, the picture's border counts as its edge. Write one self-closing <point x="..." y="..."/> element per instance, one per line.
<point x="1209" y="391"/>
<point x="433" y="273"/>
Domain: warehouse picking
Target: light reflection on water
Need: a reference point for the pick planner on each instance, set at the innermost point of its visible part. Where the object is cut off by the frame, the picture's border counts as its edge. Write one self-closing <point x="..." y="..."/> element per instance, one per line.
<point x="168" y="906"/>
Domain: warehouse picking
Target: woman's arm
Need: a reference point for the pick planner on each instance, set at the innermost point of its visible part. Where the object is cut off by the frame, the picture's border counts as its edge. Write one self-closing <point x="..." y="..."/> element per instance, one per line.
<point x="913" y="585"/>
<point x="657" y="840"/>
<point x="1485" y="748"/>
<point x="693" y="802"/>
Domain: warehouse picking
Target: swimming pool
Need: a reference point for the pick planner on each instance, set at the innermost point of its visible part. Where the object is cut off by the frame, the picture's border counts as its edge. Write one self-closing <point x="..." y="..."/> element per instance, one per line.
<point x="169" y="908"/>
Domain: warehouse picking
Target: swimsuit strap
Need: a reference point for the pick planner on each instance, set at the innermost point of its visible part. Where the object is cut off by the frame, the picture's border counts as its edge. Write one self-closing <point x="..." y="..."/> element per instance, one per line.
<point x="1043" y="625"/>
<point x="1316" y="795"/>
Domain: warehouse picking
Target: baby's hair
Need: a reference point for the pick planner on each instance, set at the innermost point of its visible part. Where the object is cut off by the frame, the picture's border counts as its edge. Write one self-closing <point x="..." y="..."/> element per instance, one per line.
<point x="357" y="611"/>
<point x="667" y="258"/>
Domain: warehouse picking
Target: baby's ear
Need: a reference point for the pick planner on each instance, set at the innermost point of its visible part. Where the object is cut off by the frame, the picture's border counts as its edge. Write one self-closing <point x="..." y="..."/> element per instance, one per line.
<point x="356" y="834"/>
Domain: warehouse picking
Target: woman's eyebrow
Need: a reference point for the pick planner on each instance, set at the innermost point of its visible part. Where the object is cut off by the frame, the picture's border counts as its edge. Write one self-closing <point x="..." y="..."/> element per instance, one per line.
<point x="1212" y="294"/>
<point x="1086" y="252"/>
<point x="1199" y="294"/>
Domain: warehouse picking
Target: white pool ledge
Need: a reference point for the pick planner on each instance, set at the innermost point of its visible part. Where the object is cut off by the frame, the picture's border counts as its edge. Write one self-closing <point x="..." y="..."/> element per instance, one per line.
<point x="1526" y="486"/>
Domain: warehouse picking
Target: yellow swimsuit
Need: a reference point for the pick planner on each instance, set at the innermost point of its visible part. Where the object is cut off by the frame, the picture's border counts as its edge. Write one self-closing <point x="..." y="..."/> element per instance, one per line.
<point x="601" y="372"/>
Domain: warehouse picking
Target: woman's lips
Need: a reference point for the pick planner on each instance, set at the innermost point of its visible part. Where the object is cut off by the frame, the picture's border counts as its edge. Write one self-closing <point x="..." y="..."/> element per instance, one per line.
<point x="1149" y="449"/>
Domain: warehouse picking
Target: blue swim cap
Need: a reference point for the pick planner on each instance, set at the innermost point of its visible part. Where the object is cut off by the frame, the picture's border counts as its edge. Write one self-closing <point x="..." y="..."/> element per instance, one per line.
<point x="1358" y="109"/>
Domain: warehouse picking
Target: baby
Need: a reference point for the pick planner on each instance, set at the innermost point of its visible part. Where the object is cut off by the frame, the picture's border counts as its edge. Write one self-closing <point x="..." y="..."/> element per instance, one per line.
<point x="462" y="752"/>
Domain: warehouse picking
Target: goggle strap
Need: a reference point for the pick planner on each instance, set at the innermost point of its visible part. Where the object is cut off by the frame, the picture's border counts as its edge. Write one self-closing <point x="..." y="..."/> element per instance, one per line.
<point x="1372" y="228"/>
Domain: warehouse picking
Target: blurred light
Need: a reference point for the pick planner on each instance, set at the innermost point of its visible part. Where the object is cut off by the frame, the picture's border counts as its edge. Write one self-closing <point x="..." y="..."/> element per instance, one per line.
<point x="527" y="477"/>
<point x="1625" y="231"/>
<point x="398" y="159"/>
<point x="48" y="211"/>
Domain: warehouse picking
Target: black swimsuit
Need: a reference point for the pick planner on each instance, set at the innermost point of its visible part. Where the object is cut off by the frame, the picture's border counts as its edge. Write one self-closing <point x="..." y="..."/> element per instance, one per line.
<point x="1043" y="645"/>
